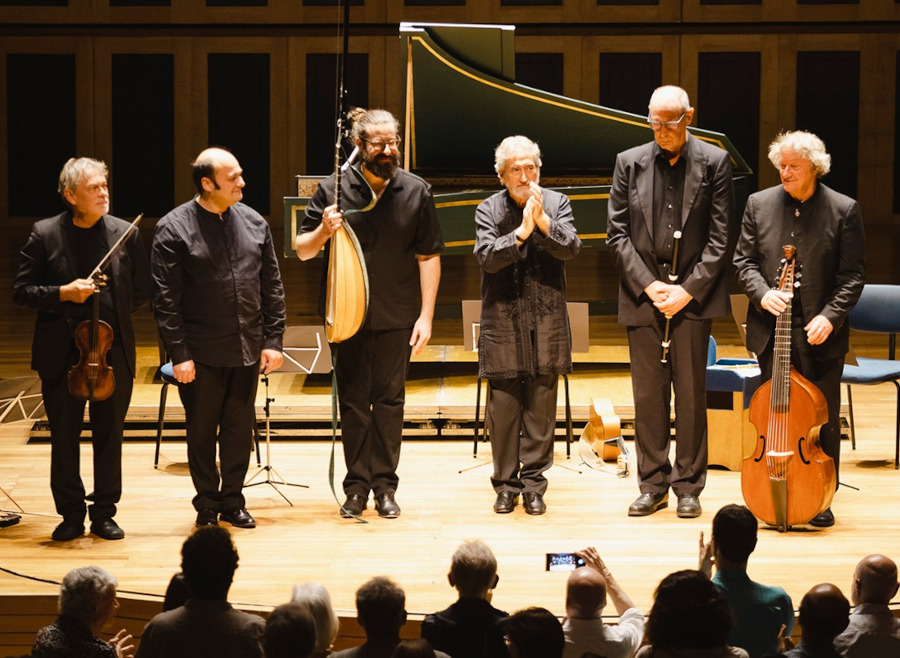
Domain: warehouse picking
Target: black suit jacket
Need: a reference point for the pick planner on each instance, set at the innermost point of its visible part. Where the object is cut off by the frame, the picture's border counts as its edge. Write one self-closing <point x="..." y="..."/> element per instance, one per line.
<point x="708" y="231"/>
<point x="48" y="263"/>
<point x="831" y="255"/>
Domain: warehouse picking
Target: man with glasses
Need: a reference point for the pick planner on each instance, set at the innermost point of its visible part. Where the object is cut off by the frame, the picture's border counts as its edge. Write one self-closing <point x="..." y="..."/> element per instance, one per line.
<point x="671" y="232"/>
<point x="401" y="240"/>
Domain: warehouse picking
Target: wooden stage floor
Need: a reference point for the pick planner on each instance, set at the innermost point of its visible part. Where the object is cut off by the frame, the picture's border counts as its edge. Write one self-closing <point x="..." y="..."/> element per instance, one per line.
<point x="441" y="507"/>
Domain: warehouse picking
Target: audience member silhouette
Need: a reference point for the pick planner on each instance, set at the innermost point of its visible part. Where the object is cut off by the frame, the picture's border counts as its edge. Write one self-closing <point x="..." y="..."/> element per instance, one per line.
<point x="176" y="593"/>
<point x="381" y="611"/>
<point x="533" y="633"/>
<point x="824" y="613"/>
<point x="761" y="614"/>
<point x="290" y="632"/>
<point x="873" y="630"/>
<point x="689" y="618"/>
<point x="206" y="625"/>
<point x="413" y="649"/>
<point x="586" y="595"/>
<point x="87" y="604"/>
<point x="315" y="598"/>
<point x="470" y="628"/>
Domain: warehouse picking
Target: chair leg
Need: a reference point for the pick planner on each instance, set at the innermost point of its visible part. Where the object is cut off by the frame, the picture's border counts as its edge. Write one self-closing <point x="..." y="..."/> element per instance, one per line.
<point x="477" y="418"/>
<point x="159" y="423"/>
<point x="897" y="435"/>
<point x="852" y="424"/>
<point x="569" y="437"/>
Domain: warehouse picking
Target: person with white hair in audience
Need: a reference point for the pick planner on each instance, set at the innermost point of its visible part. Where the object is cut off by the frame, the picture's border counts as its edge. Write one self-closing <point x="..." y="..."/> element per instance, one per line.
<point x="873" y="632"/>
<point x="315" y="598"/>
<point x="87" y="604"/>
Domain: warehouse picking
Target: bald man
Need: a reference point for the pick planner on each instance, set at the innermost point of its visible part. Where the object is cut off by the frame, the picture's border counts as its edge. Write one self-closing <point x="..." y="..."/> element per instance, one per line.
<point x="586" y="595"/>
<point x="219" y="306"/>
<point x="824" y="613"/>
<point x="873" y="630"/>
<point x="674" y="190"/>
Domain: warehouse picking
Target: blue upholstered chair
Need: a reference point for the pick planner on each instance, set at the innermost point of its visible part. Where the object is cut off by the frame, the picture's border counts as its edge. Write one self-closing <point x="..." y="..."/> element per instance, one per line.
<point x="878" y="310"/>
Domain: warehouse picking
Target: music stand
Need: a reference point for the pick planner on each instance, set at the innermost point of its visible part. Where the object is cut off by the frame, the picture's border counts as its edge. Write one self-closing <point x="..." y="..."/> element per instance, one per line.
<point x="20" y="399"/>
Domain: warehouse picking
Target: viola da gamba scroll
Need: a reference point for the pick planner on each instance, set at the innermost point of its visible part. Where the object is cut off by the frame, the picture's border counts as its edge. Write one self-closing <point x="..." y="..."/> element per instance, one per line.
<point x="788" y="479"/>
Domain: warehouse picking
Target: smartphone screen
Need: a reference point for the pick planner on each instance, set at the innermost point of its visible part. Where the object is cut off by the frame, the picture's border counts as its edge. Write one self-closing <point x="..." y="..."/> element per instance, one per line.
<point x="563" y="562"/>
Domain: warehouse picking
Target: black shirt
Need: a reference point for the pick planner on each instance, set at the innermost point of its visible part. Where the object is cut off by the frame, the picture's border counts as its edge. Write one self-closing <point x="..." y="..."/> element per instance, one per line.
<point x="402" y="225"/>
<point x="218" y="297"/>
<point x="89" y="247"/>
<point x="668" y="193"/>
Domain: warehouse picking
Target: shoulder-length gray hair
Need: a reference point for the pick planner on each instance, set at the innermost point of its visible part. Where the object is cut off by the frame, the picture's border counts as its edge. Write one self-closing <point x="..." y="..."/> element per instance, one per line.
<point x="513" y="146"/>
<point x="77" y="169"/>
<point x="82" y="591"/>
<point x="315" y="598"/>
<point x="805" y="144"/>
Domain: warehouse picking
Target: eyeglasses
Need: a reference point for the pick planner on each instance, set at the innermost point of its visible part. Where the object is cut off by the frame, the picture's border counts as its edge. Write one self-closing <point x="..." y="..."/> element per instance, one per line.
<point x="379" y="144"/>
<point x="670" y="125"/>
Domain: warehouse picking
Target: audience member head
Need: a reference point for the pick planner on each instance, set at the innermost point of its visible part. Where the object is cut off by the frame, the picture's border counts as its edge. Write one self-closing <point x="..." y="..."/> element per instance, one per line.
<point x="473" y="570"/>
<point x="875" y="580"/>
<point x="734" y="531"/>
<point x="89" y="594"/>
<point x="381" y="607"/>
<point x="689" y="612"/>
<point x="176" y="593"/>
<point x="534" y="633"/>
<point x="585" y="594"/>
<point x="208" y="562"/>
<point x="290" y="632"/>
<point x="413" y="649"/>
<point x="315" y="598"/>
<point x="824" y="613"/>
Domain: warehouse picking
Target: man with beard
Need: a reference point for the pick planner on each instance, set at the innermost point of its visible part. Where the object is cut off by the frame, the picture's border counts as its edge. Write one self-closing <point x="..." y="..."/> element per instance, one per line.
<point x="401" y="241"/>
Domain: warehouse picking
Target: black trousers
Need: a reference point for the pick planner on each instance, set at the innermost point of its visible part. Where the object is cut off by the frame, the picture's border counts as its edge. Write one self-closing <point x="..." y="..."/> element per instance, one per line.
<point x="371" y="375"/>
<point x="219" y="408"/>
<point x="521" y="419"/>
<point x="824" y="375"/>
<point x="652" y="383"/>
<point x="107" y="420"/>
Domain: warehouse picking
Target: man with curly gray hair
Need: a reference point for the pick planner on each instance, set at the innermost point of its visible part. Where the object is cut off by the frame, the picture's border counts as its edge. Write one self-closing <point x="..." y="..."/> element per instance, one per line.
<point x="826" y="228"/>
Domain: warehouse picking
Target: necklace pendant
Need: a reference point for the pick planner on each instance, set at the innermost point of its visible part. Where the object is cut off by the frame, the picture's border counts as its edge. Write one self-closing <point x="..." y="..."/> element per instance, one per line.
<point x="796" y="212"/>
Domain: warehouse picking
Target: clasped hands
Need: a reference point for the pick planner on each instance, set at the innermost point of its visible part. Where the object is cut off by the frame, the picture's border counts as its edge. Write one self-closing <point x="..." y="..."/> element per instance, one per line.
<point x="668" y="299"/>
<point x="533" y="214"/>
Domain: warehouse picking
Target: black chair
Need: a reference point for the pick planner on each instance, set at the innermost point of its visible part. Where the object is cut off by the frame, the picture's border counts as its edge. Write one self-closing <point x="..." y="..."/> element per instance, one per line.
<point x="878" y="310"/>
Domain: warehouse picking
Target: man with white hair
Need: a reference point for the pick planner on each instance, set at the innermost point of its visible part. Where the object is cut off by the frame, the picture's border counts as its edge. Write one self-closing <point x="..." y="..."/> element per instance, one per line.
<point x="873" y="632"/>
<point x="671" y="232"/>
<point x="523" y="237"/>
<point x="826" y="227"/>
<point x="60" y="255"/>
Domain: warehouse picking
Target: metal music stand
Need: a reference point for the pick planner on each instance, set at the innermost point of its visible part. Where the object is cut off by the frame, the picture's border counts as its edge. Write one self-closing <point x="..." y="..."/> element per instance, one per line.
<point x="272" y="477"/>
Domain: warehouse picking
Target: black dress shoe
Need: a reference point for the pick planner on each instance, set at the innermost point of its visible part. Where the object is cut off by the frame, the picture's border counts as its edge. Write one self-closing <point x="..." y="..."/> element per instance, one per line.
<point x="68" y="530"/>
<point x="648" y="503"/>
<point x="688" y="506"/>
<point x="353" y="506"/>
<point x="533" y="503"/>
<point x="107" y="529"/>
<point x="506" y="502"/>
<point x="823" y="520"/>
<point x="386" y="505"/>
<point x="239" y="517"/>
<point x="207" y="516"/>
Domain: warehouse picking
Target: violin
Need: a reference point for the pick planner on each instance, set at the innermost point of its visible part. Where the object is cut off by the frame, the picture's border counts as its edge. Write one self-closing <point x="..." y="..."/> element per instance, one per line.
<point x="92" y="379"/>
<point x="788" y="479"/>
